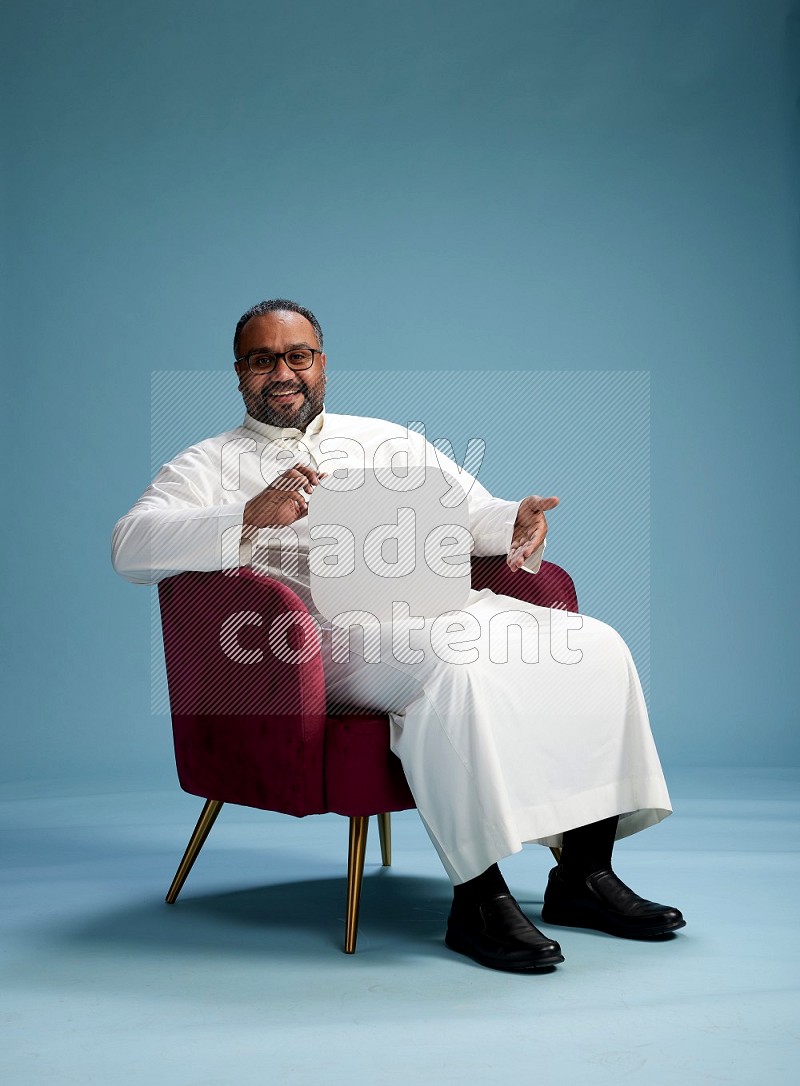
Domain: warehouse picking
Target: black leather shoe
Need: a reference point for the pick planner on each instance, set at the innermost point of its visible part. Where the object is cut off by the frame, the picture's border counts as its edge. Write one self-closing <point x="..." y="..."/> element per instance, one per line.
<point x="603" y="902"/>
<point x="498" y="934"/>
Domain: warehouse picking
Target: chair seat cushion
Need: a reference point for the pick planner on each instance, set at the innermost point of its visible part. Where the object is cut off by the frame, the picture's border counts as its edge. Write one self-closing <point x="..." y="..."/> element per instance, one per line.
<point x="362" y="776"/>
<point x="254" y="760"/>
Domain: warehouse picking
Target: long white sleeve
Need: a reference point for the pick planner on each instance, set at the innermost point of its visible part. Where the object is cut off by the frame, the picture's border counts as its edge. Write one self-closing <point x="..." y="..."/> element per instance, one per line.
<point x="178" y="524"/>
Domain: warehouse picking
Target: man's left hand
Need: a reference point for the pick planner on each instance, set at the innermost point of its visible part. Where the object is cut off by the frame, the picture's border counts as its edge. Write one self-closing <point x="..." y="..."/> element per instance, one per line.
<point x="530" y="528"/>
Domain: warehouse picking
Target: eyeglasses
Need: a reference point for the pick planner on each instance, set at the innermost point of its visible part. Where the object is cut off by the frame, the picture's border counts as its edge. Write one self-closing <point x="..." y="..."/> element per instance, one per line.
<point x="298" y="358"/>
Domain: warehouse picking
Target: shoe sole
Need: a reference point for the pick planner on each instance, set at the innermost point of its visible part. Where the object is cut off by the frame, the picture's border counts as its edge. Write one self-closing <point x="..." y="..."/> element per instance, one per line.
<point x="621" y="931"/>
<point x="460" y="946"/>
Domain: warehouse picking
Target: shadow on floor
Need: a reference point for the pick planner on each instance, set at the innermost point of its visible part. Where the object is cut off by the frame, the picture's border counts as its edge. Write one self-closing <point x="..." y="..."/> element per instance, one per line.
<point x="291" y="919"/>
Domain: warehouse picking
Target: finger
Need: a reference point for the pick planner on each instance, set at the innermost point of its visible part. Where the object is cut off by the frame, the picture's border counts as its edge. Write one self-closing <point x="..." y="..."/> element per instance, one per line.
<point x="537" y="502"/>
<point x="514" y="559"/>
<point x="309" y="472"/>
<point x="527" y="548"/>
<point x="284" y="482"/>
<point x="298" y="477"/>
<point x="517" y="558"/>
<point x="292" y="479"/>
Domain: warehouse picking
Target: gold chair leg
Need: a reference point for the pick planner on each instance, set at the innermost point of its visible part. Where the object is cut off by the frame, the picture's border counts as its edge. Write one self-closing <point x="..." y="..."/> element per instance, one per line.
<point x="196" y="842"/>
<point x="359" y="825"/>
<point x="557" y="853"/>
<point x="385" y="833"/>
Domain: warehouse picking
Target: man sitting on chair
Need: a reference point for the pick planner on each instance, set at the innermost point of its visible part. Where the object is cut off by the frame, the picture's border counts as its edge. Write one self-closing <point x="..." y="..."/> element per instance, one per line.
<point x="496" y="753"/>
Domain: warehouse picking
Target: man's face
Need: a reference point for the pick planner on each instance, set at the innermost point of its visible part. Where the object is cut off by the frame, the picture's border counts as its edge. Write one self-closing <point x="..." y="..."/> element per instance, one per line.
<point x="284" y="397"/>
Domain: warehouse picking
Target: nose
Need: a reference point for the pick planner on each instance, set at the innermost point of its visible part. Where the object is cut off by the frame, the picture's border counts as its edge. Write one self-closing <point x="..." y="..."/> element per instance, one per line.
<point x="282" y="374"/>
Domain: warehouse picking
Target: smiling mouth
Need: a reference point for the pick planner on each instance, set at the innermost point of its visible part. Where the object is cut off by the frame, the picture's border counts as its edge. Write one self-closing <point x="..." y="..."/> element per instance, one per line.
<point x="284" y="395"/>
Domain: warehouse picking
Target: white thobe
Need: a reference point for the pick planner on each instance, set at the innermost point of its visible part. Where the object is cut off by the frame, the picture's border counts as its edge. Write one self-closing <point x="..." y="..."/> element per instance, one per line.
<point x="497" y="751"/>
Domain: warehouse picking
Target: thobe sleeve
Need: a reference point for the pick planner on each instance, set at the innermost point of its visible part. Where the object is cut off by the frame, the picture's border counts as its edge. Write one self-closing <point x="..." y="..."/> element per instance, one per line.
<point x="179" y="524"/>
<point x="491" y="520"/>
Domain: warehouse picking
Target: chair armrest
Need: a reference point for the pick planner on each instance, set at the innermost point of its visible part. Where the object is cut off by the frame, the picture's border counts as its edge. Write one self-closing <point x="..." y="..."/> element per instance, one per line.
<point x="552" y="586"/>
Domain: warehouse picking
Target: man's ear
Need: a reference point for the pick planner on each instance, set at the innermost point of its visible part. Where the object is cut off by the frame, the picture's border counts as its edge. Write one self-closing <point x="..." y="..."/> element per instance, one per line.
<point x="240" y="373"/>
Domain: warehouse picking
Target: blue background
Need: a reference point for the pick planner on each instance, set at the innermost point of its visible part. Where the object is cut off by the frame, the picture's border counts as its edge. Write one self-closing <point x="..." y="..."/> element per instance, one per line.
<point x="542" y="186"/>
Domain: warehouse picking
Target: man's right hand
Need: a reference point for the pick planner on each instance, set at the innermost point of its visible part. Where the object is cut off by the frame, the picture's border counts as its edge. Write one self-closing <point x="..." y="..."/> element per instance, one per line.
<point x="282" y="502"/>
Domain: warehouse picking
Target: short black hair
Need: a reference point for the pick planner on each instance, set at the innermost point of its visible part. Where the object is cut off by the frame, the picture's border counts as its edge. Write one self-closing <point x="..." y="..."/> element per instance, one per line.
<point x="271" y="306"/>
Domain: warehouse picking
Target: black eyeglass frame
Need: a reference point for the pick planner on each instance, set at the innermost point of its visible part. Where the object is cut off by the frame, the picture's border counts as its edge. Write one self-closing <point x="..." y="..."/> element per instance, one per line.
<point x="280" y="354"/>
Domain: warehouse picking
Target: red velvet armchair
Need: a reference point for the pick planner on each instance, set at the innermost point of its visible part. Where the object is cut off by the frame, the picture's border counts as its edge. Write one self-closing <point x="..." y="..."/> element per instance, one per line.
<point x="252" y="729"/>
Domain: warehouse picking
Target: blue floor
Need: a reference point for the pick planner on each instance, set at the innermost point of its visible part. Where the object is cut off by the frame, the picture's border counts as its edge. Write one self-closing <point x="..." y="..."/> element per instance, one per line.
<point x="244" y="981"/>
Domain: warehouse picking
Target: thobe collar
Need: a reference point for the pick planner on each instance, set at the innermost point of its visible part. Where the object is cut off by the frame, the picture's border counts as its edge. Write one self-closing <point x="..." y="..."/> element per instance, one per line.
<point x="285" y="433"/>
